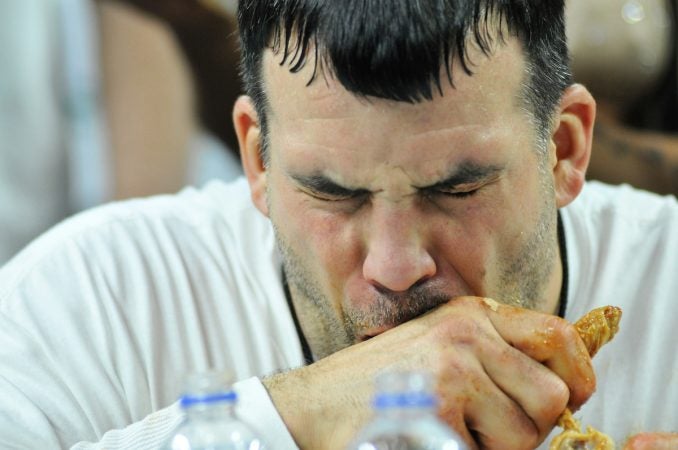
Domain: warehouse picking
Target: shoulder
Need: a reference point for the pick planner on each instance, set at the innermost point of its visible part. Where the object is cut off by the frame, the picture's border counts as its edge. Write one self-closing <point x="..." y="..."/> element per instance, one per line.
<point x="622" y="244"/>
<point x="606" y="221"/>
<point x="602" y="205"/>
<point x="137" y="293"/>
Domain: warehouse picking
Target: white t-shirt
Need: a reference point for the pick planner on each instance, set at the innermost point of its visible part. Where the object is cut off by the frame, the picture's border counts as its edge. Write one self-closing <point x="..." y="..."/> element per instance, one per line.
<point x="101" y="318"/>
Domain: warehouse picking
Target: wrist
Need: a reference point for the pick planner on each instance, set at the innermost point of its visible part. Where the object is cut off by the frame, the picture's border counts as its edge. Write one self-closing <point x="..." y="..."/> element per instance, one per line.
<point x="294" y="398"/>
<point x="322" y="405"/>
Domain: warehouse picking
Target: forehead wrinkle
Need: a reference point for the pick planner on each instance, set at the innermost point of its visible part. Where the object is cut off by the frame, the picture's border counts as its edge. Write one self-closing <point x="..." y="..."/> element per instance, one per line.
<point x="394" y="182"/>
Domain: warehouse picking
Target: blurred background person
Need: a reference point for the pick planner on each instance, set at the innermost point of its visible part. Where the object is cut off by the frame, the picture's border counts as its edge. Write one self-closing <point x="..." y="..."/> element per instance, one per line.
<point x="110" y="99"/>
<point x="626" y="53"/>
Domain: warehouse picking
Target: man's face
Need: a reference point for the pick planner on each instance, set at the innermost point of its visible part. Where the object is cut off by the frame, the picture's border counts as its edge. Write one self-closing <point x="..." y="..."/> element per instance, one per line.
<point x="384" y="210"/>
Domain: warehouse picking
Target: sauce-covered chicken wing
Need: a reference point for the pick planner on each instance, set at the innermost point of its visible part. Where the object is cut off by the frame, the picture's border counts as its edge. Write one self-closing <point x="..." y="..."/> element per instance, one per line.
<point x="596" y="329"/>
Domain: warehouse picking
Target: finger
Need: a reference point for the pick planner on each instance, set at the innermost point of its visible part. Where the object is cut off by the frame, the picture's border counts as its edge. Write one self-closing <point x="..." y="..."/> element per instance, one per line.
<point x="498" y="422"/>
<point x="652" y="441"/>
<point x="549" y="340"/>
<point x="453" y="414"/>
<point x="539" y="392"/>
<point x="489" y="416"/>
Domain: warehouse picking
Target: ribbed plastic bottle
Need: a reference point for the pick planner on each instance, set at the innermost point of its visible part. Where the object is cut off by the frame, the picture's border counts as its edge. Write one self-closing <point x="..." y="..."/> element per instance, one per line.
<point x="405" y="417"/>
<point x="210" y="423"/>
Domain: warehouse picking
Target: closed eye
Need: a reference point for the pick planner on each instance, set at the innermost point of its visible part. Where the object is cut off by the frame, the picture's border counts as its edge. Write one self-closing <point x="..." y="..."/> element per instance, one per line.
<point x="323" y="196"/>
<point x="465" y="182"/>
<point x="454" y="193"/>
<point x="324" y="189"/>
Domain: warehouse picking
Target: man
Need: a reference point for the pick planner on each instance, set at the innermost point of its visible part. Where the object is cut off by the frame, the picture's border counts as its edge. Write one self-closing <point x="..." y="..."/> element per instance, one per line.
<point x="415" y="161"/>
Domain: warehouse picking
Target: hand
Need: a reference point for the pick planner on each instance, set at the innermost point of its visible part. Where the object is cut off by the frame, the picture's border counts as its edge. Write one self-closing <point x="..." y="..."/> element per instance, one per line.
<point x="652" y="441"/>
<point x="504" y="376"/>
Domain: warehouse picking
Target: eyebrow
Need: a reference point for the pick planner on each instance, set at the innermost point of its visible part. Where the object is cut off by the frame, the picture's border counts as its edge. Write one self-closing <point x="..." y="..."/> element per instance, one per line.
<point x="323" y="185"/>
<point x="465" y="174"/>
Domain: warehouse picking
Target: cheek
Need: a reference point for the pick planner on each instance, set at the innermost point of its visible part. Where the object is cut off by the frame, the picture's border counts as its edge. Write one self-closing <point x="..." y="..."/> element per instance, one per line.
<point x="327" y="243"/>
<point x="467" y="248"/>
<point x="516" y="216"/>
<point x="477" y="239"/>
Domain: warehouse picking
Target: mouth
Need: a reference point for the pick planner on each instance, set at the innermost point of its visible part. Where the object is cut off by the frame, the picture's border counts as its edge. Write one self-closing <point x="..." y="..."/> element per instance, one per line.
<point x="387" y="311"/>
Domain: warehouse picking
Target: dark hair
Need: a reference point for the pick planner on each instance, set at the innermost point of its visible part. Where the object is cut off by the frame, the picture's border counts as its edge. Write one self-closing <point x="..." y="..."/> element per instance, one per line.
<point x="395" y="49"/>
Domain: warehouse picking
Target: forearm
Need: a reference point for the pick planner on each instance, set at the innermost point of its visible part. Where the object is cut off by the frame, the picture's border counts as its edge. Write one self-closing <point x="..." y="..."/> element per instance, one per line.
<point x="320" y="418"/>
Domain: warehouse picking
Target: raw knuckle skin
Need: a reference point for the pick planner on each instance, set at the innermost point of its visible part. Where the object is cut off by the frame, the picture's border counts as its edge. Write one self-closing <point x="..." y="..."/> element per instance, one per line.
<point x="456" y="371"/>
<point x="451" y="411"/>
<point x="461" y="330"/>
<point x="532" y="439"/>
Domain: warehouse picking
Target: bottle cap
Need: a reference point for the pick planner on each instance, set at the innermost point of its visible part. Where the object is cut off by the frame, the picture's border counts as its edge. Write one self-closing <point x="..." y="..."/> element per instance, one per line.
<point x="191" y="400"/>
<point x="408" y="389"/>
<point x="207" y="388"/>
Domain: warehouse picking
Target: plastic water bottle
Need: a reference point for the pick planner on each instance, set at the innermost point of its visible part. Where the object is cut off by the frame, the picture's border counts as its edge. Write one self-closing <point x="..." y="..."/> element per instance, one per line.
<point x="405" y="417"/>
<point x="211" y="424"/>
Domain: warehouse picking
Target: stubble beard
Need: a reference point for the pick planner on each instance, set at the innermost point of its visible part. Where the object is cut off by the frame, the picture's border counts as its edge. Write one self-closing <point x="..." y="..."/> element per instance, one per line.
<point x="325" y="332"/>
<point x="525" y="275"/>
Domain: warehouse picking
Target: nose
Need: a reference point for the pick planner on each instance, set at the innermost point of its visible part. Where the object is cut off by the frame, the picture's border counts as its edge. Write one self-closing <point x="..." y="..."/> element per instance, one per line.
<point x="396" y="256"/>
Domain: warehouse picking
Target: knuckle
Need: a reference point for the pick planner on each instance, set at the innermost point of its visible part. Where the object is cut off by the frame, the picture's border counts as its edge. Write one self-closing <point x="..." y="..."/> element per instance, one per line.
<point x="455" y="371"/>
<point x="529" y="433"/>
<point x="561" y="330"/>
<point x="555" y="401"/>
<point x="460" y="330"/>
<point x="521" y="434"/>
<point x="532" y="438"/>
<point x="569" y="333"/>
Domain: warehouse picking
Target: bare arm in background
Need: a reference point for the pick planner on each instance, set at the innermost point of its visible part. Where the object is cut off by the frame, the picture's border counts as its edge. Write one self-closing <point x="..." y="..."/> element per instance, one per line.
<point x="149" y="101"/>
<point x="642" y="158"/>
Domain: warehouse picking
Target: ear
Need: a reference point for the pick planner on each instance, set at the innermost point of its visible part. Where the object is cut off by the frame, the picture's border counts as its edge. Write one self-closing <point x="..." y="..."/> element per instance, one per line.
<point x="571" y="142"/>
<point x="249" y="135"/>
